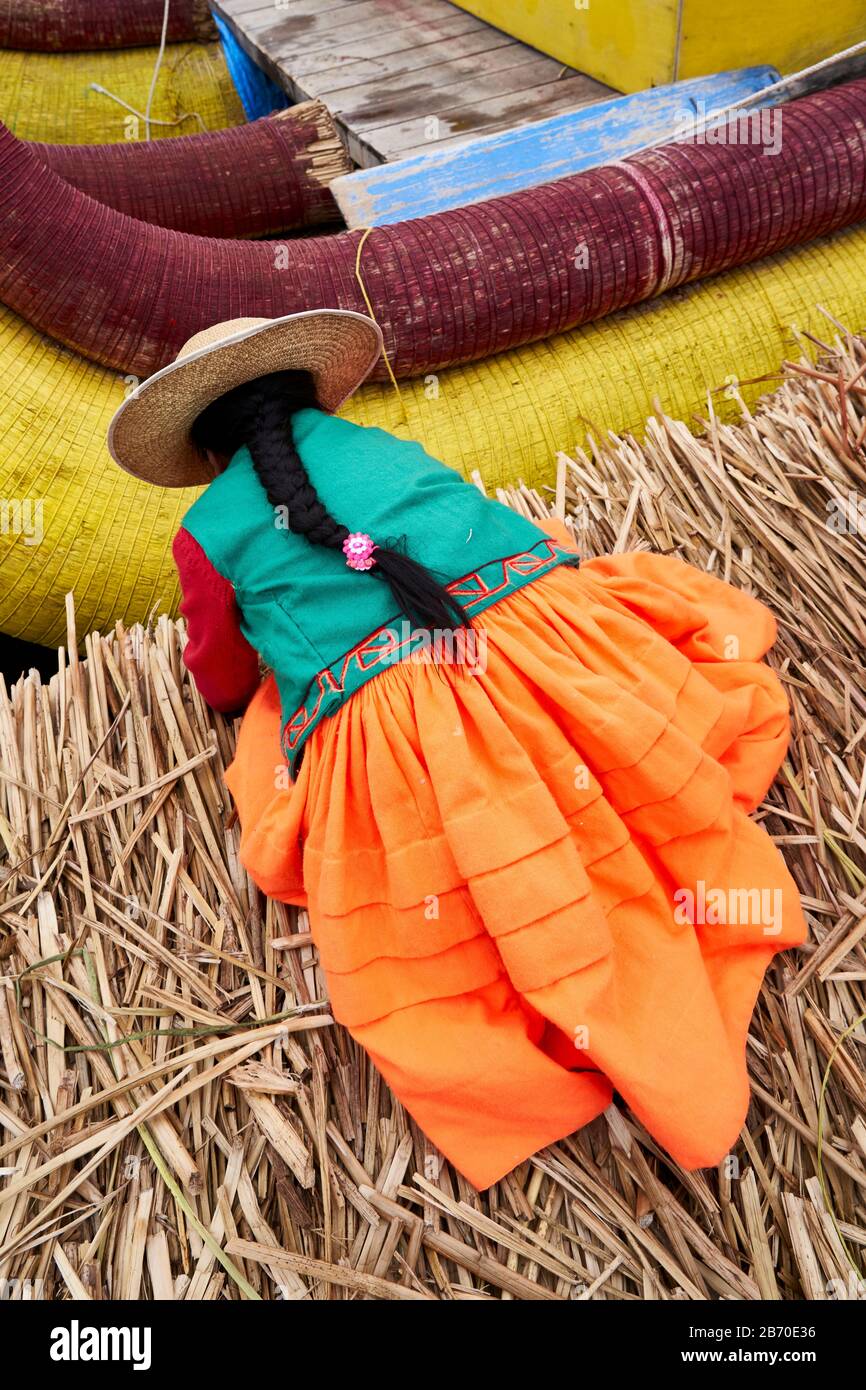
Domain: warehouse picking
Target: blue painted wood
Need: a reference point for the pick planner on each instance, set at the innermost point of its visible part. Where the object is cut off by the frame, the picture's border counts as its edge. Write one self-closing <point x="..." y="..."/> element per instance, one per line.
<point x="259" y="94"/>
<point x="536" y="153"/>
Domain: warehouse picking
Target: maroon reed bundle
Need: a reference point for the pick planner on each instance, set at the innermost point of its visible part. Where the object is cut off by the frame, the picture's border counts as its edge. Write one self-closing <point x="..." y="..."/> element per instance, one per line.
<point x="63" y="26"/>
<point x="246" y="181"/>
<point x="454" y="287"/>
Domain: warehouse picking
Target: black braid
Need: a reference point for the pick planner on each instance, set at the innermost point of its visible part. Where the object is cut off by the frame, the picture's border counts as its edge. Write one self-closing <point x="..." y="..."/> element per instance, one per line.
<point x="259" y="414"/>
<point x="282" y="474"/>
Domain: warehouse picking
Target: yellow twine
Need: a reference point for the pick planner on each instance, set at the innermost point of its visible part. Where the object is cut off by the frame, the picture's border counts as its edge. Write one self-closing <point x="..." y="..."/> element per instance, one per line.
<point x="371" y="312"/>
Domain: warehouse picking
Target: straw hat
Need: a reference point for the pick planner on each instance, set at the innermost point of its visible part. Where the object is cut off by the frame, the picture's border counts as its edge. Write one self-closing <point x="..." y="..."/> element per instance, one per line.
<point x="149" y="435"/>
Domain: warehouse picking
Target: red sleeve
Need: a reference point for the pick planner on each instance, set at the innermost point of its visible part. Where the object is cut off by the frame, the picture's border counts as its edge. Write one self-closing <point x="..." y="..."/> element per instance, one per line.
<point x="218" y="656"/>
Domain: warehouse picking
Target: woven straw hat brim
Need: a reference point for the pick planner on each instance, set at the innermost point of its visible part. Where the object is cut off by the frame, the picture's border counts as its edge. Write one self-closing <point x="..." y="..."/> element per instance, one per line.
<point x="149" y="435"/>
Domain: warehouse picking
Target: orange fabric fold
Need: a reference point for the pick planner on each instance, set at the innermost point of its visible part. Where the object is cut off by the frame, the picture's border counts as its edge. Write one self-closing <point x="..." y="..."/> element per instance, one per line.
<point x="539" y="882"/>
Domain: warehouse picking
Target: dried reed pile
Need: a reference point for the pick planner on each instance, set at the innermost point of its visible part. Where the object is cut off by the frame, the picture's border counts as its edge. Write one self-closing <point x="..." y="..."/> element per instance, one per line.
<point x="179" y="1115"/>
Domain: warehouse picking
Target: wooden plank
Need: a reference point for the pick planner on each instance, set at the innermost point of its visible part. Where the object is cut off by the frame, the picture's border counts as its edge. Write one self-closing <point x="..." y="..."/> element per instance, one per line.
<point x="316" y="23"/>
<point x="258" y="12"/>
<point x="402" y="74"/>
<point x="409" y="63"/>
<point x="368" y="61"/>
<point x="281" y="7"/>
<point x="362" y="29"/>
<point x="370" y="108"/>
<point x="501" y="112"/>
<point x="471" y="171"/>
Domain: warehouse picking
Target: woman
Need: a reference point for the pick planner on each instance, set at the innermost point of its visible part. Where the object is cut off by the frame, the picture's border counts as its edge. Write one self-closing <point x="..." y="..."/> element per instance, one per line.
<point x="531" y="876"/>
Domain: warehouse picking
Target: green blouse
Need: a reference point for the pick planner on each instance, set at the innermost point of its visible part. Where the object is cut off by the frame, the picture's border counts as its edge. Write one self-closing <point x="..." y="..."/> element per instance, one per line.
<point x="322" y="627"/>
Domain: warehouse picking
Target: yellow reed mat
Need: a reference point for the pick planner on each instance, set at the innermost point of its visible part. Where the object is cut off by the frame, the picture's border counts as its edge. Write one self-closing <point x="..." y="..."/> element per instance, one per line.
<point x="48" y="96"/>
<point x="109" y="538"/>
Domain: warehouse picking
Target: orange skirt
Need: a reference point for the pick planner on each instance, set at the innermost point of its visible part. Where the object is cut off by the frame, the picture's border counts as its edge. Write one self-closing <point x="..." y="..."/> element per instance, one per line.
<point x="539" y="882"/>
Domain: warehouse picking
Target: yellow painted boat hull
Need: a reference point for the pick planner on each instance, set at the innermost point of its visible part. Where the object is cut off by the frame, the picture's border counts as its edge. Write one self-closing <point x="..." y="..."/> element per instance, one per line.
<point x="633" y="44"/>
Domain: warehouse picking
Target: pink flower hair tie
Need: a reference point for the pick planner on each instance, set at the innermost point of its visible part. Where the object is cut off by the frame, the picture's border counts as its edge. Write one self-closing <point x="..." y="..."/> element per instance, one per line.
<point x="358" y="549"/>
